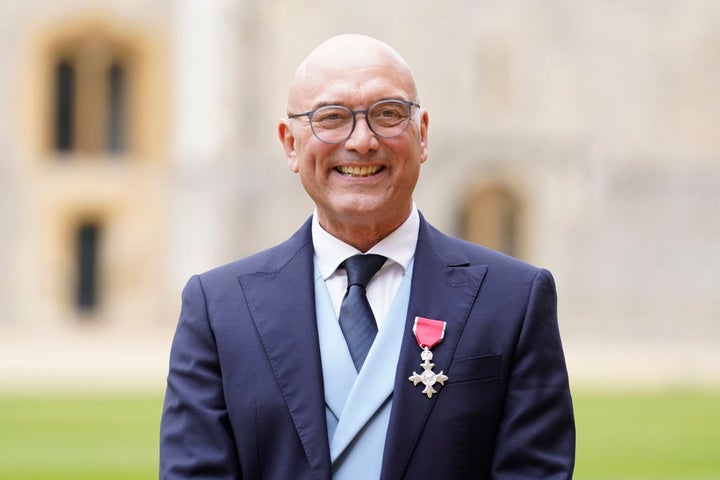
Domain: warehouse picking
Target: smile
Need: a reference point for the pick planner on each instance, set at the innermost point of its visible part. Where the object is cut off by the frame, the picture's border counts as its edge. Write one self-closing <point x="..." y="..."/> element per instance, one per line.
<point x="364" y="171"/>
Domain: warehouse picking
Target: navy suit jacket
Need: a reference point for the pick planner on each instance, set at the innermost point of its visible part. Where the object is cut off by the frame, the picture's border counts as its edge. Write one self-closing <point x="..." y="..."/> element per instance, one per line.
<point x="245" y="389"/>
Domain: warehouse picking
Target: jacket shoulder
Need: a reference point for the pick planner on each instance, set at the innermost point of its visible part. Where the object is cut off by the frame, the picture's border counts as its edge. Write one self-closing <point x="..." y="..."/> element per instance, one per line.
<point x="269" y="260"/>
<point x="463" y="251"/>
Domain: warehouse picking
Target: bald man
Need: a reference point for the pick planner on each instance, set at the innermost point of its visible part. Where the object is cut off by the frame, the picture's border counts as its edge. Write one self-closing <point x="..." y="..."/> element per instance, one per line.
<point x="368" y="345"/>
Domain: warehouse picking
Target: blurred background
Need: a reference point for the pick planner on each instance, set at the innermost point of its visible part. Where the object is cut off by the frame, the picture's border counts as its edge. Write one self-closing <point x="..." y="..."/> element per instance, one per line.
<point x="139" y="147"/>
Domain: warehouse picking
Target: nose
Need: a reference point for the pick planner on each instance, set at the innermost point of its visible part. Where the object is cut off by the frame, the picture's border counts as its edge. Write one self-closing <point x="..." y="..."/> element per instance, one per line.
<point x="362" y="139"/>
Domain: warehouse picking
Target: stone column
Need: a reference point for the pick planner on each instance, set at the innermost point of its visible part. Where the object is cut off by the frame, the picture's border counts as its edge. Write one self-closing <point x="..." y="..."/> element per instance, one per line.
<point x="204" y="124"/>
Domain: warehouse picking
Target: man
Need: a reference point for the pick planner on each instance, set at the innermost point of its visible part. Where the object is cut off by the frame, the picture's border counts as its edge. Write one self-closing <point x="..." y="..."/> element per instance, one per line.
<point x="465" y="377"/>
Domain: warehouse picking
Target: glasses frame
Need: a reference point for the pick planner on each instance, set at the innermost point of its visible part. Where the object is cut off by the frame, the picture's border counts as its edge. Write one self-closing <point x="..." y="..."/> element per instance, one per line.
<point x="310" y="114"/>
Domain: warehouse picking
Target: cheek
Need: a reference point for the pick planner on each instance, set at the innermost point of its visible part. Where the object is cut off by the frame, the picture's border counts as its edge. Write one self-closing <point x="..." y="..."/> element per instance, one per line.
<point x="307" y="169"/>
<point x="315" y="159"/>
<point x="302" y="161"/>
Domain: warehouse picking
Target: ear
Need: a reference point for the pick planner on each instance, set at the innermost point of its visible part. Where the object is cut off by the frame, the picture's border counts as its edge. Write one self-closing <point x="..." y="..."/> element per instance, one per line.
<point x="424" y="121"/>
<point x="287" y="138"/>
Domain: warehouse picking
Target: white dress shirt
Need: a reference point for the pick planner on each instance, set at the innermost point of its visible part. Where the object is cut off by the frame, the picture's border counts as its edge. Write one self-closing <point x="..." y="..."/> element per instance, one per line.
<point x="398" y="247"/>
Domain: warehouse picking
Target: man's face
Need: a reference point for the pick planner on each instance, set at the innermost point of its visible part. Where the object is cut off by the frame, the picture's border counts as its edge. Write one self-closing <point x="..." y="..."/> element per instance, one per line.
<point x="366" y="180"/>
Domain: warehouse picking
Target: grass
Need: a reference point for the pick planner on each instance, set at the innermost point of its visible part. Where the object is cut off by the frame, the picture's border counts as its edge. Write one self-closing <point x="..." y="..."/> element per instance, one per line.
<point x="648" y="435"/>
<point x="621" y="435"/>
<point x="79" y="437"/>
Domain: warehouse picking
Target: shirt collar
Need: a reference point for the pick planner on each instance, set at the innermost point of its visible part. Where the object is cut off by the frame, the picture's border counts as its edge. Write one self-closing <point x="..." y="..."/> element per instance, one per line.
<point x="398" y="247"/>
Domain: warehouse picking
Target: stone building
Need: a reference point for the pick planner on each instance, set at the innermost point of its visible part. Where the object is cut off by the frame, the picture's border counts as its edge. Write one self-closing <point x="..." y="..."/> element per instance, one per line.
<point x="139" y="147"/>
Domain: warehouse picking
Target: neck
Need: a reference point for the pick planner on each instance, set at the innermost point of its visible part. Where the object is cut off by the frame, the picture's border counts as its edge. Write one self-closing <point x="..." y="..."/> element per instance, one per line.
<point x="362" y="234"/>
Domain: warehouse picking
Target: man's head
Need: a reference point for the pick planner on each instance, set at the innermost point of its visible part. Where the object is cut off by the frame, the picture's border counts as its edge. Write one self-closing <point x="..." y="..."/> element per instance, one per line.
<point x="362" y="186"/>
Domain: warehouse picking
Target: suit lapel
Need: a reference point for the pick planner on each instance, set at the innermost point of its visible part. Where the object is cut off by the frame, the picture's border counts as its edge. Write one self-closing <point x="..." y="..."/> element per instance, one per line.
<point x="444" y="287"/>
<point x="282" y="303"/>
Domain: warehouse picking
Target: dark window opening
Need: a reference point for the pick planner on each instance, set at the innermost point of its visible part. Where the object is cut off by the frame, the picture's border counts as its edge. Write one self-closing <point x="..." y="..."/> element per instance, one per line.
<point x="65" y="100"/>
<point x="87" y="243"/>
<point x="116" y="112"/>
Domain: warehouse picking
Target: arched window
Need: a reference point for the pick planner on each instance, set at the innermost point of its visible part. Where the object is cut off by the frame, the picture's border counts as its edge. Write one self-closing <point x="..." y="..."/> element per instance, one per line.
<point x="492" y="218"/>
<point x="90" y="91"/>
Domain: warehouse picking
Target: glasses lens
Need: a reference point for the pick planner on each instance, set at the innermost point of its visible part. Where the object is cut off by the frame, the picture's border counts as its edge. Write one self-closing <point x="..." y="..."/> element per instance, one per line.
<point x="389" y="118"/>
<point x="332" y="124"/>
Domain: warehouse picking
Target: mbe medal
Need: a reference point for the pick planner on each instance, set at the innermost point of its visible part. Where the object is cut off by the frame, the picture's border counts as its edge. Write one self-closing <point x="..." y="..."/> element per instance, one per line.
<point x="428" y="333"/>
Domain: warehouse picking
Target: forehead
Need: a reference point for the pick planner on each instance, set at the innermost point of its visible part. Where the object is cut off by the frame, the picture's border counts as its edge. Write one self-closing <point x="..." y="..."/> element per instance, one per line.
<point x="351" y="78"/>
<point x="355" y="88"/>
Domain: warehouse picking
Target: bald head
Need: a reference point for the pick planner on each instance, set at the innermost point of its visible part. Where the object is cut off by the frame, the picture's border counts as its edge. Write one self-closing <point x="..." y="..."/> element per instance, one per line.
<point x="352" y="59"/>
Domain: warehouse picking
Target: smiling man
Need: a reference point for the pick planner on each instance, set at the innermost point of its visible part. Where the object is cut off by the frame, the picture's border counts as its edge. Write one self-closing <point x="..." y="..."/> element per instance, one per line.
<point x="368" y="345"/>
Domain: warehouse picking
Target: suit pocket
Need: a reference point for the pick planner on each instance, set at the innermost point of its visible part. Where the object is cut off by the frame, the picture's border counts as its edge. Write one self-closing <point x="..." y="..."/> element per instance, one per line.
<point x="484" y="367"/>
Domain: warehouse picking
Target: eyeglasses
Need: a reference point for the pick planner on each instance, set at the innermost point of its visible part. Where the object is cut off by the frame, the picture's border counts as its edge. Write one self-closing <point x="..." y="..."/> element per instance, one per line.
<point x="335" y="123"/>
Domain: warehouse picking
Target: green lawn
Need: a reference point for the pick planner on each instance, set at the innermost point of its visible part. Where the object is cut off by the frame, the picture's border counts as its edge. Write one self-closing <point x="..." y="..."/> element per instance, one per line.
<point x="73" y="437"/>
<point x="648" y="436"/>
<point x="638" y="436"/>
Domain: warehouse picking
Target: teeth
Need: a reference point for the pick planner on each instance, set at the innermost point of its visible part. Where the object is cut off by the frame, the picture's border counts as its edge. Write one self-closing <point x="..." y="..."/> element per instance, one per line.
<point x="359" y="171"/>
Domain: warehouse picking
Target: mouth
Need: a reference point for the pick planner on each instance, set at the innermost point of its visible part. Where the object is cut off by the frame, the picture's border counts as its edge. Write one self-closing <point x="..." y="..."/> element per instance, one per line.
<point x="355" y="171"/>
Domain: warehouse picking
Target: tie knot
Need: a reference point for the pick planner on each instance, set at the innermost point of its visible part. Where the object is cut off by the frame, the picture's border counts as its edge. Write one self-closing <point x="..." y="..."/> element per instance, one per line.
<point x="361" y="268"/>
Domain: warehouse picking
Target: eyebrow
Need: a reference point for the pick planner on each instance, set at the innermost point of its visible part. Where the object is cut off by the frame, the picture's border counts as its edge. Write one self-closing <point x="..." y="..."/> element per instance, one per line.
<point x="331" y="103"/>
<point x="324" y="104"/>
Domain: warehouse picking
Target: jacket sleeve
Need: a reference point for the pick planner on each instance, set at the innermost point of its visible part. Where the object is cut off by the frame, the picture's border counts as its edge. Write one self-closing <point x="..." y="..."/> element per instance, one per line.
<point x="196" y="440"/>
<point x="536" y="436"/>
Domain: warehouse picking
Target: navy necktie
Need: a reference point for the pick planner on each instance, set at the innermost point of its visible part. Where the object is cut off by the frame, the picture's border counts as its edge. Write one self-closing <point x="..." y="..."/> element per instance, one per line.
<point x="356" y="318"/>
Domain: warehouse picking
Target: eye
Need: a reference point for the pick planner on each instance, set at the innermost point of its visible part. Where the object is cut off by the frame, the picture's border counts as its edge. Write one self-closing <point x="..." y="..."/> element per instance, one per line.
<point x="330" y="117"/>
<point x="389" y="113"/>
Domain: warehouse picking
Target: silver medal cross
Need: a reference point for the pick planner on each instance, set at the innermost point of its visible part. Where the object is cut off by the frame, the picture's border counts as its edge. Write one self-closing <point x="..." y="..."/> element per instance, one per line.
<point x="428" y="377"/>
